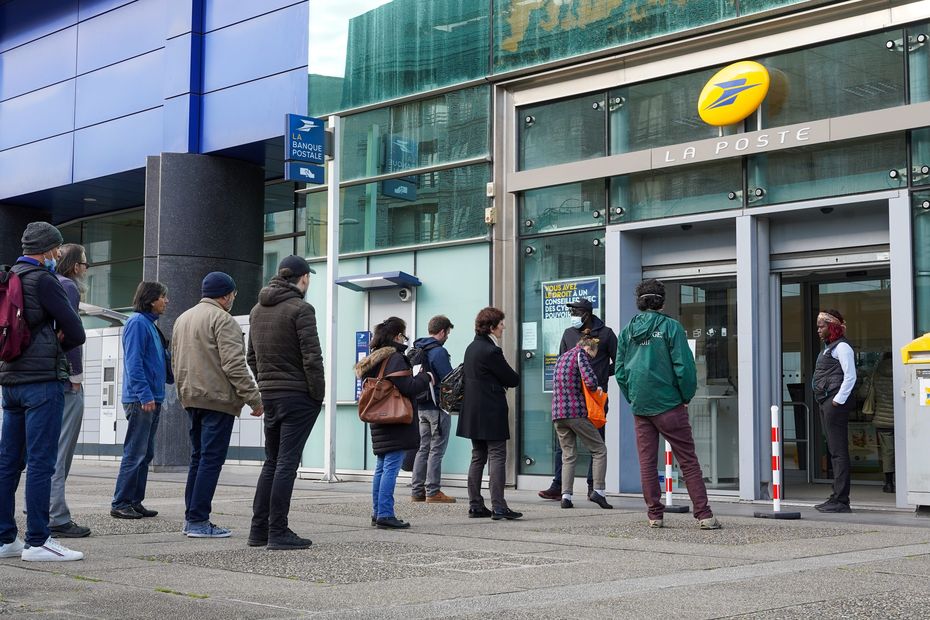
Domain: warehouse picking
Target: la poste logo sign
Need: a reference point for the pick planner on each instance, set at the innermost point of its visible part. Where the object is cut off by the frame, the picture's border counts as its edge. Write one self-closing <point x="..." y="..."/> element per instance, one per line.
<point x="733" y="93"/>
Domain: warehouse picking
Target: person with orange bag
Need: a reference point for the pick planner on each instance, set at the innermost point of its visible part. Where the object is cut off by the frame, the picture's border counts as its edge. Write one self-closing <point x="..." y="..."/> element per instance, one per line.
<point x="572" y="375"/>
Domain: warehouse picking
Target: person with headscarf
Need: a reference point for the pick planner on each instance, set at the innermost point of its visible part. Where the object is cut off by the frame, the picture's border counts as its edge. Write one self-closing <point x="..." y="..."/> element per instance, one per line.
<point x="833" y="383"/>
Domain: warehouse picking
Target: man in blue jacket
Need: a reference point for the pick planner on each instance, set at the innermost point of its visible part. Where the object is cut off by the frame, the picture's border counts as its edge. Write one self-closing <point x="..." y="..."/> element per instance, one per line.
<point x="33" y="398"/>
<point x="146" y="369"/>
<point x="435" y="424"/>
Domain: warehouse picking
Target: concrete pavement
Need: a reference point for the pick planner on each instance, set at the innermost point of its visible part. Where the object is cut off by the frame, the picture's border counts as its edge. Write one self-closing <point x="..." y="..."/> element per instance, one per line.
<point x="554" y="563"/>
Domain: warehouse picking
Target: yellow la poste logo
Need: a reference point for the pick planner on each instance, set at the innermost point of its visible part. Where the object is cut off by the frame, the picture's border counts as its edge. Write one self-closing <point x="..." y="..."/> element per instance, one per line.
<point x="735" y="92"/>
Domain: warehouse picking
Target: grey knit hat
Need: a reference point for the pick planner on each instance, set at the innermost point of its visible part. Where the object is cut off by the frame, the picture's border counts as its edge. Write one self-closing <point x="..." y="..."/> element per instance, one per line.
<point x="40" y="237"/>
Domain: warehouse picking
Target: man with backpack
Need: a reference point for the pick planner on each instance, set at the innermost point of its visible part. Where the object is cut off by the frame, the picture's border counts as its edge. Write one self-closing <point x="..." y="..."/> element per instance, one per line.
<point x="435" y="424"/>
<point x="33" y="373"/>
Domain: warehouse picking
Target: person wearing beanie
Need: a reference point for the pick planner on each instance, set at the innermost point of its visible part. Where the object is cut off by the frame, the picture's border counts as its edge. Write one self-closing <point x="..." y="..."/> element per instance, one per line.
<point x="33" y="398"/>
<point x="286" y="359"/>
<point x="208" y="358"/>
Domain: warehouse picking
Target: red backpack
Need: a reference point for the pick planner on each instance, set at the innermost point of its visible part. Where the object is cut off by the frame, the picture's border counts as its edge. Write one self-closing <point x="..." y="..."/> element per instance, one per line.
<point x="15" y="335"/>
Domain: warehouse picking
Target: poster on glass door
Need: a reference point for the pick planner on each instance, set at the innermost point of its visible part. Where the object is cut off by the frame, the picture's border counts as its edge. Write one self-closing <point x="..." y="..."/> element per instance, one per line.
<point x="556" y="294"/>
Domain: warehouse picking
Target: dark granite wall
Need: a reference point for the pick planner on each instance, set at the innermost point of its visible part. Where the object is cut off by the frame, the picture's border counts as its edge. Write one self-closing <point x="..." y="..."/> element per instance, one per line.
<point x="13" y="221"/>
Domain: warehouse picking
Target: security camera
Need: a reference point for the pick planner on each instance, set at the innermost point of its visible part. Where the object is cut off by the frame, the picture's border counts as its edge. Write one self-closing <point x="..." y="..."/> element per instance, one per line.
<point x="405" y="294"/>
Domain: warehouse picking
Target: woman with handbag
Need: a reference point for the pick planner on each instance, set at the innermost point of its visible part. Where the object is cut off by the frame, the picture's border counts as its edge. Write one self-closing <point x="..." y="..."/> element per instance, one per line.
<point x="572" y="377"/>
<point x="484" y="416"/>
<point x="396" y="405"/>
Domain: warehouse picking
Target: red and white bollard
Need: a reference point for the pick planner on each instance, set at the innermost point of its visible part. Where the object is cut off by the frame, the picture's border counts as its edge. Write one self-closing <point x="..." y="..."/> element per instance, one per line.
<point x="668" y="482"/>
<point x="777" y="489"/>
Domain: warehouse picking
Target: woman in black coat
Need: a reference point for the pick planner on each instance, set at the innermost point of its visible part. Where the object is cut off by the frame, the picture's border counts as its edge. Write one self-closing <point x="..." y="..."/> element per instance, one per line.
<point x="484" y="416"/>
<point x="390" y="442"/>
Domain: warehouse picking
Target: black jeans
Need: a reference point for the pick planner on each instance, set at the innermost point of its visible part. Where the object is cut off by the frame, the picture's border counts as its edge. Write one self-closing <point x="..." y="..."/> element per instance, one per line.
<point x="836" y="424"/>
<point x="494" y="453"/>
<point x="288" y="422"/>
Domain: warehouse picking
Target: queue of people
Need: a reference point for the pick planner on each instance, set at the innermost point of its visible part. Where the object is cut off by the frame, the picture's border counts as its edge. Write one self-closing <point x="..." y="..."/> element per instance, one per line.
<point x="279" y="376"/>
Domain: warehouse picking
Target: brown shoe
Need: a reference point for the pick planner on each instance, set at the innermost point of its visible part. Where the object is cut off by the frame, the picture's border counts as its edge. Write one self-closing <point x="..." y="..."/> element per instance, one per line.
<point x="439" y="498"/>
<point x="551" y="493"/>
<point x="417" y="498"/>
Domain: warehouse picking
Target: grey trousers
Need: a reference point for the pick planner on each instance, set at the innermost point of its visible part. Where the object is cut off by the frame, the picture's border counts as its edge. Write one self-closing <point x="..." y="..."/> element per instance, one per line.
<point x="886" y="448"/>
<point x="494" y="453"/>
<point x="569" y="431"/>
<point x="59" y="513"/>
<point x="435" y="425"/>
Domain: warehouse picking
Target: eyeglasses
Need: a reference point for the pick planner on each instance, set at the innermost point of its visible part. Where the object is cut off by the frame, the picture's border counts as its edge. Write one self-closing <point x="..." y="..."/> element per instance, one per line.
<point x="84" y="264"/>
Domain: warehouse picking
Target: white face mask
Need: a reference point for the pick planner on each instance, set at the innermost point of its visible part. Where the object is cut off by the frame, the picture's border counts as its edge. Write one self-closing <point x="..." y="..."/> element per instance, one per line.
<point x="577" y="322"/>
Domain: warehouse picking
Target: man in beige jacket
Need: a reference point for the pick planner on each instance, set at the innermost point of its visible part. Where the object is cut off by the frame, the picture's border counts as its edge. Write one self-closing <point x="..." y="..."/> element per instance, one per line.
<point x="208" y="356"/>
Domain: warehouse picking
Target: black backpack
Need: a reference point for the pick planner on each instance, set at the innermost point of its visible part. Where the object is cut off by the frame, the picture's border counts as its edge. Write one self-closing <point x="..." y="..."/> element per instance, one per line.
<point x="452" y="390"/>
<point x="418" y="356"/>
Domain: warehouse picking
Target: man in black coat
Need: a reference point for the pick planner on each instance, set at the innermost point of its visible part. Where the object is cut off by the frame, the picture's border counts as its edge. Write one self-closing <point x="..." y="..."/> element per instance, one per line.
<point x="585" y="323"/>
<point x="484" y="417"/>
<point x="286" y="359"/>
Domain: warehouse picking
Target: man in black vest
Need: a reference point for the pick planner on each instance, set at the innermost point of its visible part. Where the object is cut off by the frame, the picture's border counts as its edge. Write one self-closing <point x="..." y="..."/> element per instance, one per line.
<point x="585" y="323"/>
<point x="33" y="398"/>
<point x="834" y="380"/>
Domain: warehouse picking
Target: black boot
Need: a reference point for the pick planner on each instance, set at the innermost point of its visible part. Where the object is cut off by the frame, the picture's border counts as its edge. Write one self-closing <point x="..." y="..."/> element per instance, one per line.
<point x="888" y="487"/>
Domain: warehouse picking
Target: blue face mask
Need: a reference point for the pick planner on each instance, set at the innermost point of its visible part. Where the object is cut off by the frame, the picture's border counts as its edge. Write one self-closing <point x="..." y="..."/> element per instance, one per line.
<point x="50" y="264"/>
<point x="577" y="322"/>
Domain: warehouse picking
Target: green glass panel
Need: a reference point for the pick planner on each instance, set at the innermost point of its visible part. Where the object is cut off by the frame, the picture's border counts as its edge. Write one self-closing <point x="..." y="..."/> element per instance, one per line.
<point x="274" y="253"/>
<point x="114" y="237"/>
<point x="658" y="113"/>
<point x="314" y="218"/>
<point x="367" y="51"/>
<point x="675" y="191"/>
<point x="918" y="62"/>
<point x="279" y="209"/>
<point x="848" y="167"/>
<point x="448" y="128"/>
<point x="846" y="77"/>
<point x="568" y="130"/>
<point x="748" y="7"/>
<point x="921" y="212"/>
<point x="920" y="156"/>
<point x="114" y="285"/>
<point x="428" y="208"/>
<point x="528" y="33"/>
<point x="555" y="257"/>
<point x="564" y="206"/>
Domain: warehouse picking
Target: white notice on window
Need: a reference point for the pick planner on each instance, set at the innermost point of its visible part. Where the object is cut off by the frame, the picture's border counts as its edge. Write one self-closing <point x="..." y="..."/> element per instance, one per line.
<point x="529" y="336"/>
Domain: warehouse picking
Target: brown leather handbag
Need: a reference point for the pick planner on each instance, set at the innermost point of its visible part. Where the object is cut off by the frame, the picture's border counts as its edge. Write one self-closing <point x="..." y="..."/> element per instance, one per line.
<point x="381" y="402"/>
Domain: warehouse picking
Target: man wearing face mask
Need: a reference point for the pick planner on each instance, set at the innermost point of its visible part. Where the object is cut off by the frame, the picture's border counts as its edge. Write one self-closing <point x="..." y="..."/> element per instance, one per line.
<point x="585" y="323"/>
<point x="33" y="398"/>
<point x="208" y="356"/>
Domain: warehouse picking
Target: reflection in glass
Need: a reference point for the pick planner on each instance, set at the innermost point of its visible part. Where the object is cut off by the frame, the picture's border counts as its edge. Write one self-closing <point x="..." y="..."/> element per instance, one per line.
<point x="279" y="209"/>
<point x="115" y="237"/>
<point x="553" y="258"/>
<point x="920" y="156"/>
<point x="918" y="59"/>
<point x="707" y="311"/>
<point x="563" y="131"/>
<point x="448" y="128"/>
<point x="113" y="285"/>
<point x="564" y="206"/>
<point x="836" y="79"/>
<point x="366" y="51"/>
<point x="675" y="191"/>
<point x="848" y="167"/>
<point x="428" y="208"/>
<point x="273" y="253"/>
<point x="921" y="214"/>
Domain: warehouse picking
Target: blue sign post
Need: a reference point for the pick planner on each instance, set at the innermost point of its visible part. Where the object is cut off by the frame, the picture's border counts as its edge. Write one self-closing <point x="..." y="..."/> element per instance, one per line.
<point x="362" y="344"/>
<point x="304" y="143"/>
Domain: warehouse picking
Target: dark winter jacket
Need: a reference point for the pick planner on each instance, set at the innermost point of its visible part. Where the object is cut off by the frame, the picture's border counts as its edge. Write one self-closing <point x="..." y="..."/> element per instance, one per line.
<point x="146" y="360"/>
<point x="603" y="362"/>
<point x="75" y="357"/>
<point x="437" y="357"/>
<point x="387" y="438"/>
<point x="284" y="347"/>
<point x="484" y="412"/>
<point x="47" y="312"/>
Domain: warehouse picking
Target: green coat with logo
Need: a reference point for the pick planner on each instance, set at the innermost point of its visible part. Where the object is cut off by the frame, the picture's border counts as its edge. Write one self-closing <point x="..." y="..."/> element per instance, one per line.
<point x="655" y="366"/>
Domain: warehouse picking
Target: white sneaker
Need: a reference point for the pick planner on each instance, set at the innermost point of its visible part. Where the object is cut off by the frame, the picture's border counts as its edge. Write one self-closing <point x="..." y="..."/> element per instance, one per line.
<point x="51" y="551"/>
<point x="13" y="549"/>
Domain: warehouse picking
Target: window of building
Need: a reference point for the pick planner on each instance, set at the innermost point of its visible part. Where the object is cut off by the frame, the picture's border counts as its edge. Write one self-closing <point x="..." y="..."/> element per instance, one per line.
<point x="562" y="131"/>
<point x="921" y="228"/>
<point x="564" y="206"/>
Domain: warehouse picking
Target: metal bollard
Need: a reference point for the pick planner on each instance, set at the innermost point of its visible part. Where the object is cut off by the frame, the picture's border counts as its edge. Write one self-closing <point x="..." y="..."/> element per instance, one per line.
<point x="776" y="475"/>
<point x="668" y="483"/>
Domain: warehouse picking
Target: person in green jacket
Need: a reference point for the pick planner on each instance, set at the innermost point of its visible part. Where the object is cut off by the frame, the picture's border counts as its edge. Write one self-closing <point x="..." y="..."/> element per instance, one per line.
<point x="655" y="371"/>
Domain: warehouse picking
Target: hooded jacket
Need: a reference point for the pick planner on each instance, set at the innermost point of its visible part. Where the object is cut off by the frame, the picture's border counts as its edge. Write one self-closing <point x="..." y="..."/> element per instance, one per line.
<point x="284" y="347"/>
<point x="655" y="367"/>
<point x="387" y="438"/>
<point x="438" y="359"/>
<point x="603" y="362"/>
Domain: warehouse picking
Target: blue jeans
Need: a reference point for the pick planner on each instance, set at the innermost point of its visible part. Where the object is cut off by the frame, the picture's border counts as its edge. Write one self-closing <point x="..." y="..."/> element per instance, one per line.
<point x="382" y="485"/>
<point x="31" y="425"/>
<point x="210" y="432"/>
<point x="138" y="451"/>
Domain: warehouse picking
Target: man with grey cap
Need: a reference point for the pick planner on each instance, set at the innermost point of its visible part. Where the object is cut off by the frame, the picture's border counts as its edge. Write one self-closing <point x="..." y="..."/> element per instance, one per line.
<point x="285" y="357"/>
<point x="33" y="398"/>
<point x="208" y="358"/>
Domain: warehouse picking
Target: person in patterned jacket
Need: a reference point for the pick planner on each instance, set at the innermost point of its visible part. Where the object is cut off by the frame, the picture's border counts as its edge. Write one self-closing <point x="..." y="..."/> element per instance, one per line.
<point x="570" y="417"/>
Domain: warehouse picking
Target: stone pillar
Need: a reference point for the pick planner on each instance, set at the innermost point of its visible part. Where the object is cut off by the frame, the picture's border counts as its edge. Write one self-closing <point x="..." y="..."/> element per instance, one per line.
<point x="202" y="213"/>
<point x="13" y="221"/>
